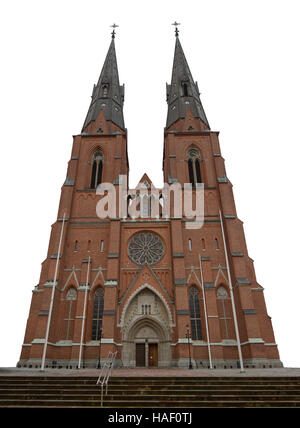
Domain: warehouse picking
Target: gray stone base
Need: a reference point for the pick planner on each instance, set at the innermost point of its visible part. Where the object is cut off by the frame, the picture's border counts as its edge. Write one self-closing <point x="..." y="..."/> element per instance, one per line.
<point x="254" y="363"/>
<point x="181" y="363"/>
<point x="65" y="364"/>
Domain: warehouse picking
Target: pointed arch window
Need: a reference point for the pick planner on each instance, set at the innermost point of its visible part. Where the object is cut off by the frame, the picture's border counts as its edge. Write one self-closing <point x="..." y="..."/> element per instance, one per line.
<point x="185" y="91"/>
<point x="105" y="87"/>
<point x="145" y="206"/>
<point x="194" y="167"/>
<point x="70" y="312"/>
<point x="194" y="300"/>
<point x="225" y="312"/>
<point x="97" y="314"/>
<point x="97" y="166"/>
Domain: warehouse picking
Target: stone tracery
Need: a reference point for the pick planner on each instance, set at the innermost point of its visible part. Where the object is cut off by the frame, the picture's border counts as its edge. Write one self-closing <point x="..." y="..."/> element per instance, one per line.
<point x="146" y="248"/>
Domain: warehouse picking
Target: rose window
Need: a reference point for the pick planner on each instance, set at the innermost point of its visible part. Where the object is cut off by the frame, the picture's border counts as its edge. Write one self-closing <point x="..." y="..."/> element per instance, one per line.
<point x="146" y="249"/>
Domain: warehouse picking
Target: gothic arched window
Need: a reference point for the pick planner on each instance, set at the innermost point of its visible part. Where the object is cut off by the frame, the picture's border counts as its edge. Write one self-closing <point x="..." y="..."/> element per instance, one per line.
<point x="185" y="91"/>
<point x="217" y="244"/>
<point x="225" y="312"/>
<point x="194" y="167"/>
<point x="194" y="301"/>
<point x="105" y="87"/>
<point x="97" y="166"/>
<point x="97" y="314"/>
<point x="145" y="206"/>
<point x="71" y="298"/>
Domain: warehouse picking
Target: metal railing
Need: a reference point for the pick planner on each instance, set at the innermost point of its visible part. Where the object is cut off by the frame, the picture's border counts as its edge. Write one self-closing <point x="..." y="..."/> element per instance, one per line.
<point x="105" y="373"/>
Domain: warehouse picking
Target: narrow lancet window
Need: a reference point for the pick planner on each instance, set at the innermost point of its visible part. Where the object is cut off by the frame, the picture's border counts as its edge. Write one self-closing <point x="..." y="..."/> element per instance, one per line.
<point x="105" y="90"/>
<point x="224" y="310"/>
<point x="70" y="313"/>
<point x="194" y="167"/>
<point x="195" y="313"/>
<point x="197" y="167"/>
<point x="98" y="314"/>
<point x="191" y="172"/>
<point x="97" y="166"/>
<point x="185" y="89"/>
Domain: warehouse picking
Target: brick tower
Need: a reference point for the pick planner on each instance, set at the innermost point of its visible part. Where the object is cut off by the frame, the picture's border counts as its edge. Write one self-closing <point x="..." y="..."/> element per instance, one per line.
<point x="159" y="293"/>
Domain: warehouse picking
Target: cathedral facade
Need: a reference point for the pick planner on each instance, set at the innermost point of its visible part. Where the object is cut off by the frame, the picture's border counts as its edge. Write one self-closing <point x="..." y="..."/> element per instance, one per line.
<point x="152" y="288"/>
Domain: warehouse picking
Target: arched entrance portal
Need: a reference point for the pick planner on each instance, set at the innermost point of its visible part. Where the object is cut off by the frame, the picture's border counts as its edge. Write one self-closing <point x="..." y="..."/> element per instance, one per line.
<point x="149" y="342"/>
<point x="146" y="333"/>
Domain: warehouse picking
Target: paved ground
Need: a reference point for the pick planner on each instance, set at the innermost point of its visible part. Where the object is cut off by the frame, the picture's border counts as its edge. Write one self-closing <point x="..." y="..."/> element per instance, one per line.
<point x="283" y="372"/>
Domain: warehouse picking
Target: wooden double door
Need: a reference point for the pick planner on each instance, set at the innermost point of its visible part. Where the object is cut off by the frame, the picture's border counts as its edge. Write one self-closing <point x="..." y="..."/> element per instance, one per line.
<point x="146" y="353"/>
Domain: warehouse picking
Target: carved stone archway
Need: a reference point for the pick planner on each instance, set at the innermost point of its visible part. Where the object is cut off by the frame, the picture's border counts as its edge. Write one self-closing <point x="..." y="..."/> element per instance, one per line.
<point x="146" y="323"/>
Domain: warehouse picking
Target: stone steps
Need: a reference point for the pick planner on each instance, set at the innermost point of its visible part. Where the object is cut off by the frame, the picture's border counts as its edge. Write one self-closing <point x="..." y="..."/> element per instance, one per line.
<point x="149" y="392"/>
<point x="139" y="404"/>
<point x="133" y="384"/>
<point x="145" y="391"/>
<point x="162" y="397"/>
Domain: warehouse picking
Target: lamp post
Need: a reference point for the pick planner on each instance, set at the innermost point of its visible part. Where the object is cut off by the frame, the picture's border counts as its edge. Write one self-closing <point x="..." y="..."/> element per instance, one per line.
<point x="188" y="338"/>
<point x="99" y="360"/>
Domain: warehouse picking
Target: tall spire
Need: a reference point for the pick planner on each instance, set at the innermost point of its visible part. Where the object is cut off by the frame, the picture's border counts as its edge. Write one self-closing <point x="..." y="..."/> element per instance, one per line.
<point x="183" y="93"/>
<point x="108" y="95"/>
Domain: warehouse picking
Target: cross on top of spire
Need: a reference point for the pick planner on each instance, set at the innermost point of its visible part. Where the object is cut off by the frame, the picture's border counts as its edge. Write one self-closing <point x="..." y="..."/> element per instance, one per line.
<point x="176" y="28"/>
<point x="113" y="32"/>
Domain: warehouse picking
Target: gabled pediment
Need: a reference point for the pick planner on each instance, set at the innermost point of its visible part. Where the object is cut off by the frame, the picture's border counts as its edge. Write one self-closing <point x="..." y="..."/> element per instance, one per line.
<point x="145" y="183"/>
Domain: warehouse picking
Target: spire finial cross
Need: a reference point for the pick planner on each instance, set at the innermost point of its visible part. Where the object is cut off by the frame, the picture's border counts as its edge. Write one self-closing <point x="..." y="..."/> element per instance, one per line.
<point x="113" y="33"/>
<point x="176" y="28"/>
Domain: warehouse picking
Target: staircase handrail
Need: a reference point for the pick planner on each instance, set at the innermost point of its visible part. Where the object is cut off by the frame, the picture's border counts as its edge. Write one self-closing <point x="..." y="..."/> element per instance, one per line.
<point x="106" y="372"/>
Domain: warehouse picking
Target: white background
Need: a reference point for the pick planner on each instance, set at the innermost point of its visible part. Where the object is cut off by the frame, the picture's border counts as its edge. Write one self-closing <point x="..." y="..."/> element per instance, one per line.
<point x="244" y="55"/>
